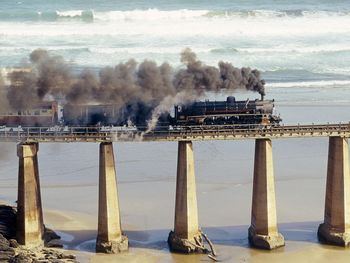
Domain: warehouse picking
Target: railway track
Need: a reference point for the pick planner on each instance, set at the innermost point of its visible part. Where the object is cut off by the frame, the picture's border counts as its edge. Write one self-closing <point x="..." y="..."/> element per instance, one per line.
<point x="193" y="133"/>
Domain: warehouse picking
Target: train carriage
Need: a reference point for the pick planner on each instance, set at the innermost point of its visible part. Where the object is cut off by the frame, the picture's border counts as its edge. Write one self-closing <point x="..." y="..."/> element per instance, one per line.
<point x="43" y="114"/>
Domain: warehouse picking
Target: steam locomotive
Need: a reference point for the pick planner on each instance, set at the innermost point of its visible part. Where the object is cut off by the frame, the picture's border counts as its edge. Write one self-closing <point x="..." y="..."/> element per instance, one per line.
<point x="198" y="113"/>
<point x="229" y="112"/>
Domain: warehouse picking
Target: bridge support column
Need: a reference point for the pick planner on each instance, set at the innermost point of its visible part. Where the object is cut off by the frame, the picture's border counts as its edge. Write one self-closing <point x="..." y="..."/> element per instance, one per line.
<point x="336" y="227"/>
<point x="110" y="238"/>
<point x="263" y="232"/>
<point x="186" y="237"/>
<point x="30" y="226"/>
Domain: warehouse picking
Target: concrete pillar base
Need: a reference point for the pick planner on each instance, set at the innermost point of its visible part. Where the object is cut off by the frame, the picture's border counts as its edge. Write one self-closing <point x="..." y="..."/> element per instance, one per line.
<point x="182" y="245"/>
<point x="186" y="237"/>
<point x="263" y="231"/>
<point x="327" y="235"/>
<point x="335" y="228"/>
<point x="113" y="247"/>
<point x="30" y="224"/>
<point x="265" y="241"/>
<point x="110" y="238"/>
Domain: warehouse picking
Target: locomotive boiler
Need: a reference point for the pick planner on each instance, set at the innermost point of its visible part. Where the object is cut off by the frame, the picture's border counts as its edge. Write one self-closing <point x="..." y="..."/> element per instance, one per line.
<point x="229" y="112"/>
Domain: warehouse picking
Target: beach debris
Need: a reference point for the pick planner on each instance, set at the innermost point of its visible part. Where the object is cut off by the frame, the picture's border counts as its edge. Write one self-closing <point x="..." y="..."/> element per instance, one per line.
<point x="211" y="252"/>
<point x="213" y="258"/>
<point x="212" y="249"/>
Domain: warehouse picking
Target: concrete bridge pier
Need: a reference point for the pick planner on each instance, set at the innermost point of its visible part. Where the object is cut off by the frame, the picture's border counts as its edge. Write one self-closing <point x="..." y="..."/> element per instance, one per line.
<point x="30" y="226"/>
<point x="336" y="227"/>
<point x="186" y="237"/>
<point x="110" y="238"/>
<point x="263" y="232"/>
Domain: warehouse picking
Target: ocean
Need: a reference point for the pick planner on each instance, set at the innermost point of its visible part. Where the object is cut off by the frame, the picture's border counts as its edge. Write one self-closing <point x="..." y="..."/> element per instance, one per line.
<point x="301" y="48"/>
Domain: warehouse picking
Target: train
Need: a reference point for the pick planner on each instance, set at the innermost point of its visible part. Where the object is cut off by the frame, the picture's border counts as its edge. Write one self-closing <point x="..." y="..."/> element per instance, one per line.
<point x="195" y="114"/>
<point x="229" y="112"/>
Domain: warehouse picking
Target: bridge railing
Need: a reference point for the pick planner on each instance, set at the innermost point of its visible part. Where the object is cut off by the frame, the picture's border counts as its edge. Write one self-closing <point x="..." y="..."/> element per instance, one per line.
<point x="256" y="129"/>
<point x="128" y="134"/>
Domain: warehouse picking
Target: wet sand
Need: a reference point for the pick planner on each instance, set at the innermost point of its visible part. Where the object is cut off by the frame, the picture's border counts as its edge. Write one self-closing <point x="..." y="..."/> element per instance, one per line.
<point x="230" y="242"/>
<point x="224" y="172"/>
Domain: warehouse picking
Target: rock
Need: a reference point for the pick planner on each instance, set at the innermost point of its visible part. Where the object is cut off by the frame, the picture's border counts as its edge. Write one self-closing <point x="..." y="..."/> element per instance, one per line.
<point x="113" y="247"/>
<point x="6" y="252"/>
<point x="57" y="261"/>
<point x="64" y="256"/>
<point x="57" y="243"/>
<point x="49" y="235"/>
<point x="5" y="256"/>
<point x="181" y="245"/>
<point x="4" y="243"/>
<point x="70" y="257"/>
<point x="12" y="252"/>
<point x="41" y="260"/>
<point x="8" y="221"/>
<point x="13" y="243"/>
<point x="21" y="258"/>
<point x="49" y="257"/>
<point x="50" y="252"/>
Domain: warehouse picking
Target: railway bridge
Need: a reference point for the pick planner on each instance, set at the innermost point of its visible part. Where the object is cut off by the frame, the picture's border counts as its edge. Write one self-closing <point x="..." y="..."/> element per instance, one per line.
<point x="186" y="236"/>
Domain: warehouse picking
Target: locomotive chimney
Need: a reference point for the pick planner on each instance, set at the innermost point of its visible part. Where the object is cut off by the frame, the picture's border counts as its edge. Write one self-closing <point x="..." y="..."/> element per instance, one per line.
<point x="262" y="97"/>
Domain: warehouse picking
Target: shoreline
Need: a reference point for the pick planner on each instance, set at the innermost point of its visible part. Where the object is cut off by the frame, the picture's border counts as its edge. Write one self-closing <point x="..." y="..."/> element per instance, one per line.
<point x="146" y="174"/>
<point x="231" y="243"/>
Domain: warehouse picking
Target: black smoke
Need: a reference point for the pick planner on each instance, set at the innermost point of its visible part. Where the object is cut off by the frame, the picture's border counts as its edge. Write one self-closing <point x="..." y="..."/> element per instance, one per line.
<point x="22" y="93"/>
<point x="144" y="90"/>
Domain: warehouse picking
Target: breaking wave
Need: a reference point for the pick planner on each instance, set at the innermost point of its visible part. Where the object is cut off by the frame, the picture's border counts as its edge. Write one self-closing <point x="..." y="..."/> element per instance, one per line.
<point x="83" y="15"/>
<point x="318" y="84"/>
<point x="156" y="14"/>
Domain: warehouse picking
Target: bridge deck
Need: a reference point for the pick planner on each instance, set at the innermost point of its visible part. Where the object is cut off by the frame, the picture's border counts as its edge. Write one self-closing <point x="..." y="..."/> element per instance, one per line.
<point x="88" y="134"/>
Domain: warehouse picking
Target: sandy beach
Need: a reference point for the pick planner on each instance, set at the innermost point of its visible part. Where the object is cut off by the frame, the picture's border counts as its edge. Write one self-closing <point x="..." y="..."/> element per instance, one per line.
<point x="146" y="182"/>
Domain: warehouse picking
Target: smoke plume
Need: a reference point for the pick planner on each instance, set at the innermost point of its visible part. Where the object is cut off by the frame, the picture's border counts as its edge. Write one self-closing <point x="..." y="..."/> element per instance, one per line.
<point x="22" y="93"/>
<point x="144" y="90"/>
<point x="53" y="73"/>
<point x="3" y="99"/>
